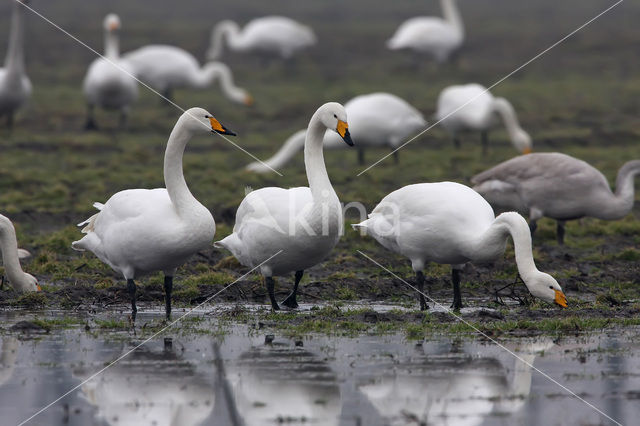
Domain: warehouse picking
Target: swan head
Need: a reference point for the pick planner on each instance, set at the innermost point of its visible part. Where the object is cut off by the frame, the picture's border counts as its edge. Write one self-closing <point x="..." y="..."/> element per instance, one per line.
<point x="522" y="141"/>
<point x="111" y="22"/>
<point x="334" y="117"/>
<point x="545" y="287"/>
<point x="199" y="120"/>
<point x="25" y="282"/>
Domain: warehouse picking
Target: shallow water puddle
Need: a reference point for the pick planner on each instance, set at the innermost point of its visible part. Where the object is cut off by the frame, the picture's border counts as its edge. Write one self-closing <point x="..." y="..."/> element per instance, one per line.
<point x="249" y="377"/>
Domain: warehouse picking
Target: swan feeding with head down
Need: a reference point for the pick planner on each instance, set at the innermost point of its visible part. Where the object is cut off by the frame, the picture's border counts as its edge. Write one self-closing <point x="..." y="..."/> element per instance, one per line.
<point x="284" y="230"/>
<point x="431" y="35"/>
<point x="272" y="35"/>
<point x="138" y="231"/>
<point x="557" y="186"/>
<point x="375" y="120"/>
<point x="166" y="68"/>
<point x="472" y="108"/>
<point x="450" y="223"/>
<point x="15" y="86"/>
<point x="109" y="82"/>
<point x="11" y="255"/>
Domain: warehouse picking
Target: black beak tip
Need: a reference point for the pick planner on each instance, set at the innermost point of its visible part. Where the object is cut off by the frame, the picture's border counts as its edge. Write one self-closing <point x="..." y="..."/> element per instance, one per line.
<point x="347" y="138"/>
<point x="225" y="132"/>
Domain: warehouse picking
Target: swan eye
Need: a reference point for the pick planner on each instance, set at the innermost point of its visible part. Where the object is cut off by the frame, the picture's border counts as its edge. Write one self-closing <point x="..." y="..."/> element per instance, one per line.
<point x="335" y="116"/>
<point x="207" y="116"/>
<point x="551" y="287"/>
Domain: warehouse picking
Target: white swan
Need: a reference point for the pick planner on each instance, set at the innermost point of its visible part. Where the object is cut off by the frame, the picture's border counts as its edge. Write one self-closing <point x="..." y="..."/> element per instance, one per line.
<point x="15" y="87"/>
<point x="450" y="223"/>
<point x="285" y="230"/>
<point x="375" y="120"/>
<point x="11" y="255"/>
<point x="437" y="37"/>
<point x="275" y="35"/>
<point x="109" y="82"/>
<point x="481" y="115"/>
<point x="557" y="186"/>
<point x="138" y="231"/>
<point x="168" y="67"/>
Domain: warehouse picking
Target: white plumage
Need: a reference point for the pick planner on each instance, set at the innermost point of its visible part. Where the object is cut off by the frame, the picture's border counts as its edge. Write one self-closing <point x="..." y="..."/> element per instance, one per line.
<point x="11" y="255"/>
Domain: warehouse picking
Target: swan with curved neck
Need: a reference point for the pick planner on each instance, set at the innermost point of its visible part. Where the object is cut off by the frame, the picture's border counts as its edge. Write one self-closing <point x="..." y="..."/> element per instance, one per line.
<point x="19" y="280"/>
<point x="435" y="36"/>
<point x="109" y="82"/>
<point x="167" y="67"/>
<point x="285" y="230"/>
<point x="138" y="231"/>
<point x="449" y="223"/>
<point x="15" y="86"/>
<point x="471" y="107"/>
<point x="557" y="186"/>
<point x="375" y="120"/>
<point x="275" y="35"/>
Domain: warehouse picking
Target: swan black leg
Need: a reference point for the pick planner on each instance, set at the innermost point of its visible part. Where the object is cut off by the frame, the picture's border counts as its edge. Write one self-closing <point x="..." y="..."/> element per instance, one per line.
<point x="290" y="301"/>
<point x="131" y="287"/>
<point x="122" y="124"/>
<point x="456" y="143"/>
<point x="396" y="156"/>
<point x="168" y="286"/>
<point x="533" y="225"/>
<point x="361" y="156"/>
<point x="420" y="286"/>
<point x="271" y="290"/>
<point x="560" y="232"/>
<point x="485" y="143"/>
<point x="457" y="297"/>
<point x="91" y="122"/>
<point x="168" y="96"/>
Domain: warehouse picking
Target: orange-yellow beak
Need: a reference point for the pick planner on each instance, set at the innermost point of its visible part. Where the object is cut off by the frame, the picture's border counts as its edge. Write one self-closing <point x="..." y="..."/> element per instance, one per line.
<point x="114" y="26"/>
<point x="248" y="100"/>
<point x="561" y="299"/>
<point x="38" y="287"/>
<point x="527" y="150"/>
<point x="217" y="127"/>
<point x="343" y="131"/>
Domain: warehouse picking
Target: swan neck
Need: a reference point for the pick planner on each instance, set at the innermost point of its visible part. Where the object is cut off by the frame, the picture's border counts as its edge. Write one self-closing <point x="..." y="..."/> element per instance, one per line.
<point x="111" y="45"/>
<point x="621" y="202"/>
<point x="293" y="145"/>
<point x="14" y="61"/>
<point x="452" y="15"/>
<point x="511" y="223"/>
<point x="174" y="180"/>
<point x="226" y="28"/>
<point x="319" y="182"/>
<point x="9" y="246"/>
<point x="218" y="70"/>
<point x="505" y="110"/>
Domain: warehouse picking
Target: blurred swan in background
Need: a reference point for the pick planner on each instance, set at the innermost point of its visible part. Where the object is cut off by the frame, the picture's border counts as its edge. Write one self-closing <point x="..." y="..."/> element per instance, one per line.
<point x="165" y="68"/>
<point x="557" y="186"/>
<point x="375" y="120"/>
<point x="450" y="223"/>
<point x="285" y="230"/>
<point x="15" y="87"/>
<point x="109" y="82"/>
<point x="274" y="35"/>
<point x="138" y="231"/>
<point x="437" y="37"/>
<point x="471" y="107"/>
<point x="11" y="255"/>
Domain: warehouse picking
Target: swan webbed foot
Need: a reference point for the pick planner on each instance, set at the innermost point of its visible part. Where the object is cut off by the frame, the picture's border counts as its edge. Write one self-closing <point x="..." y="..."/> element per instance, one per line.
<point x="131" y="288"/>
<point x="420" y="286"/>
<point x="271" y="290"/>
<point x="560" y="232"/>
<point x="290" y="301"/>
<point x="457" y="296"/>
<point x="168" y="287"/>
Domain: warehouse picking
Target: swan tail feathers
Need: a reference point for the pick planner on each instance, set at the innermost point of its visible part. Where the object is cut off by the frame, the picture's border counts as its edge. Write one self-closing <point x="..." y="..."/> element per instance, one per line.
<point x="23" y="254"/>
<point x="98" y="205"/>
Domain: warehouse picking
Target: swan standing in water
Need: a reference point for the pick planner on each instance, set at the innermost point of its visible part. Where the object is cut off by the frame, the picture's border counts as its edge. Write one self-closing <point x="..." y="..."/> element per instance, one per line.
<point x="167" y="67"/>
<point x="138" y="231"/>
<point x="479" y="115"/>
<point x="15" y="87"/>
<point x="557" y="186"/>
<point x="450" y="223"/>
<point x="285" y="230"/>
<point x="273" y="35"/>
<point x="437" y="37"/>
<point x="11" y="255"/>
<point x="109" y="82"/>
<point x="375" y="120"/>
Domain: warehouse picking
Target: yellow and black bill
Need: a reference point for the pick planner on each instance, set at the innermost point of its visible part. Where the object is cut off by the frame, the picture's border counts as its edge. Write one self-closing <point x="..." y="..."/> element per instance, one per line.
<point x="343" y="131"/>
<point x="217" y="127"/>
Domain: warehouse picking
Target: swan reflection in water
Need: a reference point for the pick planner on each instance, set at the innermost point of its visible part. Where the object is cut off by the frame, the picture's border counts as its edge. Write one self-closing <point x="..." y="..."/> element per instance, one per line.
<point x="150" y="387"/>
<point x="453" y="388"/>
<point x="8" y="355"/>
<point x="282" y="383"/>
